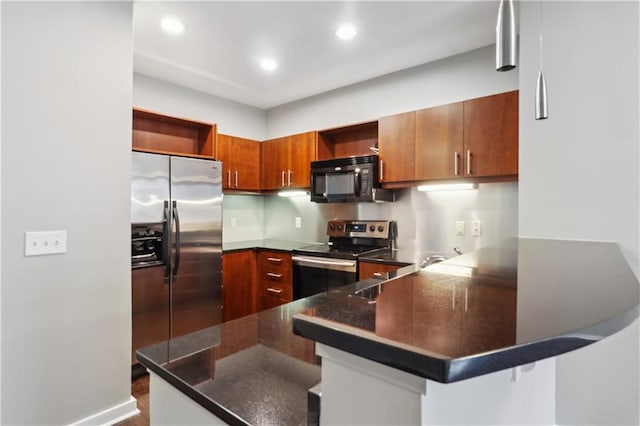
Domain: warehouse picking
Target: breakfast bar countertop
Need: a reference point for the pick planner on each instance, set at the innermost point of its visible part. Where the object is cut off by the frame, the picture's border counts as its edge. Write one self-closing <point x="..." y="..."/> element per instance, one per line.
<point x="484" y="311"/>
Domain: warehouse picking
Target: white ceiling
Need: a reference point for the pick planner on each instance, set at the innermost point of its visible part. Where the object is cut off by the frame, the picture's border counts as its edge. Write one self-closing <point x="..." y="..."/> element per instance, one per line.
<point x="224" y="41"/>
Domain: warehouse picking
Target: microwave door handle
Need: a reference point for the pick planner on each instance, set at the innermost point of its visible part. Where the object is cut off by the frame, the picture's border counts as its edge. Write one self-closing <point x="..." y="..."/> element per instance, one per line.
<point x="357" y="183"/>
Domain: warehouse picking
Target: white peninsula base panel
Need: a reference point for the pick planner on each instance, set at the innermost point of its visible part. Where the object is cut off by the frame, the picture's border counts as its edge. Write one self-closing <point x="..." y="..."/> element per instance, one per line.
<point x="357" y="391"/>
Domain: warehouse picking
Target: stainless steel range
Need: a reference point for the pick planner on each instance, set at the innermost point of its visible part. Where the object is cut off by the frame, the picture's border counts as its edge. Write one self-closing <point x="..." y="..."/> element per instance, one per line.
<point x="323" y="267"/>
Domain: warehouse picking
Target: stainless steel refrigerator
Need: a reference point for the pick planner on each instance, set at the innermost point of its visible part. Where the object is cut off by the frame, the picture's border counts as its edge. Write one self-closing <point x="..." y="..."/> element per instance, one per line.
<point x="176" y="247"/>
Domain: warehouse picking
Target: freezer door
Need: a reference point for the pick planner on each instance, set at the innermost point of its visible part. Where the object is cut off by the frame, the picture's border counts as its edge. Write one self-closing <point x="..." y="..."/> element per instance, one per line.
<point x="149" y="187"/>
<point x="196" y="283"/>
<point x="150" y="308"/>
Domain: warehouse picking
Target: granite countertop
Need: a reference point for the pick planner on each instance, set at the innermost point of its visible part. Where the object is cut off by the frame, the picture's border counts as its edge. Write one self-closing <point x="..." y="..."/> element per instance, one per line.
<point x="484" y="311"/>
<point x="249" y="371"/>
<point x="268" y="244"/>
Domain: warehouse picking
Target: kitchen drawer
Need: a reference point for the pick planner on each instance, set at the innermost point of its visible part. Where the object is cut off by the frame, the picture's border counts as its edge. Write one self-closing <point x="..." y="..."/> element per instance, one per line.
<point x="270" y="301"/>
<point x="276" y="285"/>
<point x="375" y="269"/>
<point x="275" y="280"/>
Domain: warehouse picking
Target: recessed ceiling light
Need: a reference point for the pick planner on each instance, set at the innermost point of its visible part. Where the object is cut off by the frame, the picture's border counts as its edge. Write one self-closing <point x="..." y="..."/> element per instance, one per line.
<point x="346" y="31"/>
<point x="268" y="64"/>
<point x="172" y="25"/>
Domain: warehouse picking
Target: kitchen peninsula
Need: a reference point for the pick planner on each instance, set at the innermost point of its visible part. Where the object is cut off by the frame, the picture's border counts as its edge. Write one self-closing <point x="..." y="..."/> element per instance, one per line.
<point x="387" y="346"/>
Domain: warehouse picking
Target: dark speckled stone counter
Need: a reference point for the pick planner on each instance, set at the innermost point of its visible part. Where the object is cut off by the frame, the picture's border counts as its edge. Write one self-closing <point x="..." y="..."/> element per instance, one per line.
<point x="250" y="371"/>
<point x="484" y="311"/>
<point x="266" y="244"/>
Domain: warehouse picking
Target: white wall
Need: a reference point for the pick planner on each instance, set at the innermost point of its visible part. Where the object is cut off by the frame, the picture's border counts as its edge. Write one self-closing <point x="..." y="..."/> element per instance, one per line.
<point x="232" y="117"/>
<point x="66" y="137"/>
<point x="465" y="76"/>
<point x="579" y="175"/>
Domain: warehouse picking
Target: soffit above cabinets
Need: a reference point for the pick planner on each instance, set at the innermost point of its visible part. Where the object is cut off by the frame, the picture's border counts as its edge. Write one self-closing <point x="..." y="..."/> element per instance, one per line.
<point x="220" y="50"/>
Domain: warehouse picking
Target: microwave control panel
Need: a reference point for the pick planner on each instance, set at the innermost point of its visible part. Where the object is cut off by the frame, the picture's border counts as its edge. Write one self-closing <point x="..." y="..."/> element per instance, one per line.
<point x="357" y="228"/>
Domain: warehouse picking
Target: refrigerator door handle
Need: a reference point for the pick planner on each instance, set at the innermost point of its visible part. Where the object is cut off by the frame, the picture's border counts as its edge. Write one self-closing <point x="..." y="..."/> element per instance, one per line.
<point x="176" y="218"/>
<point x="166" y="244"/>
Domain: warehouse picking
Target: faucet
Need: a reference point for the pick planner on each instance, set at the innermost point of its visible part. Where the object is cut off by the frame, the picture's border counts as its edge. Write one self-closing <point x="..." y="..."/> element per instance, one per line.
<point x="431" y="260"/>
<point x="457" y="250"/>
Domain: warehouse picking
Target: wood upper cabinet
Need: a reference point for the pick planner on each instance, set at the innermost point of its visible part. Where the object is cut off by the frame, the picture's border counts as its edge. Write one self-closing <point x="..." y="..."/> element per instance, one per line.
<point x="240" y="162"/>
<point x="439" y="142"/>
<point x="286" y="161"/>
<point x="239" y="284"/>
<point x="162" y="134"/>
<point x="491" y="135"/>
<point x="396" y="144"/>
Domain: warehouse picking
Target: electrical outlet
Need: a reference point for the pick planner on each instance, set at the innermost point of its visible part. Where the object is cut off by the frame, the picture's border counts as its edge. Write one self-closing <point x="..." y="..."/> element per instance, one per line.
<point x="298" y="222"/>
<point x="460" y="228"/>
<point x="476" y="229"/>
<point x="45" y="242"/>
<point x="233" y="222"/>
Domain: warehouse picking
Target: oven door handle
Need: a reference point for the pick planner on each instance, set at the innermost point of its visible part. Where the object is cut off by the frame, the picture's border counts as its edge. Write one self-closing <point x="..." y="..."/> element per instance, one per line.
<point x="323" y="262"/>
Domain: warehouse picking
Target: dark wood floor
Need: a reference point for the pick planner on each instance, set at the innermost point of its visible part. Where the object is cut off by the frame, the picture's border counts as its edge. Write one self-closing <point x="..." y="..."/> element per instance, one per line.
<point x="140" y="391"/>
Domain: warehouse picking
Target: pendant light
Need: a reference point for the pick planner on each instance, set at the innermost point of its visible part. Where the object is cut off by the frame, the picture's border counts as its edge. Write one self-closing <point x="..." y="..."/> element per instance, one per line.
<point x="542" y="111"/>
<point x="505" y="37"/>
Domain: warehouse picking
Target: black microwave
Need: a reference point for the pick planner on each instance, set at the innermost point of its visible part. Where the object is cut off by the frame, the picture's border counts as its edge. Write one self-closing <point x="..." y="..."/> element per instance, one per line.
<point x="347" y="180"/>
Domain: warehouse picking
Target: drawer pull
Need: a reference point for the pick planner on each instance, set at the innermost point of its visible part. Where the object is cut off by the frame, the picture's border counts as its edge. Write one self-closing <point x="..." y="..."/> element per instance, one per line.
<point x="272" y="275"/>
<point x="378" y="274"/>
<point x="274" y="259"/>
<point x="274" y="290"/>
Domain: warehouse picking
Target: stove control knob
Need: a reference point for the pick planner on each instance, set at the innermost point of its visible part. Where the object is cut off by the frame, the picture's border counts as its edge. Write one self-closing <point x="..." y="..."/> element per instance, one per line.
<point x="339" y="227"/>
<point x="372" y="228"/>
<point x="380" y="228"/>
<point x="332" y="227"/>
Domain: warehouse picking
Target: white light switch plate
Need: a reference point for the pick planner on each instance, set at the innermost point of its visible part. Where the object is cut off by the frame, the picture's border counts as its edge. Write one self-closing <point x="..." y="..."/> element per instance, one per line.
<point x="298" y="222"/>
<point x="45" y="242"/>
<point x="460" y="228"/>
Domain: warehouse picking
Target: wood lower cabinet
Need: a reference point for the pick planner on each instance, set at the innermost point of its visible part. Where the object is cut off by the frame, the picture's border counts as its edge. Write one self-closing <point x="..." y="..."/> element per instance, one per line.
<point x="491" y="135"/>
<point x="396" y="145"/>
<point x="375" y="269"/>
<point x="286" y="161"/>
<point x="240" y="162"/>
<point x="239" y="284"/>
<point x="275" y="278"/>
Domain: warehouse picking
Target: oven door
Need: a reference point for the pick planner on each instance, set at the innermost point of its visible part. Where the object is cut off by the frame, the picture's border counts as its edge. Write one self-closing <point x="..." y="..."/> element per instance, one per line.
<point x="312" y="274"/>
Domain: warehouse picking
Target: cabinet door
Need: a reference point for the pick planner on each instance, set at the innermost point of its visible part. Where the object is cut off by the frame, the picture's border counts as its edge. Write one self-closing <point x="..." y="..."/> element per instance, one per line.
<point x="491" y="135"/>
<point x="224" y="153"/>
<point x="239" y="284"/>
<point x="396" y="142"/>
<point x="246" y="163"/>
<point x="302" y="151"/>
<point x="374" y="269"/>
<point x="275" y="159"/>
<point x="439" y="142"/>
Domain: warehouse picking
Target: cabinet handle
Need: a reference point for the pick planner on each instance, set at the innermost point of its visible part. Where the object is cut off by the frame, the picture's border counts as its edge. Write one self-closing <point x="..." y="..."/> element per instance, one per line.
<point x="283" y="178"/>
<point x="274" y="290"/>
<point x="469" y="162"/>
<point x="274" y="259"/>
<point x="228" y="178"/>
<point x="289" y="177"/>
<point x="236" y="178"/>
<point x="466" y="299"/>
<point x="377" y="274"/>
<point x="456" y="163"/>
<point x="272" y="275"/>
<point x="381" y="170"/>
<point x="453" y="298"/>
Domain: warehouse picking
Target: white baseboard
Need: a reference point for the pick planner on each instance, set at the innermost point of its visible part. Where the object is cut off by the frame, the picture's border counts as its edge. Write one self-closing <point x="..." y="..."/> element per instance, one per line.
<point x="111" y="415"/>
